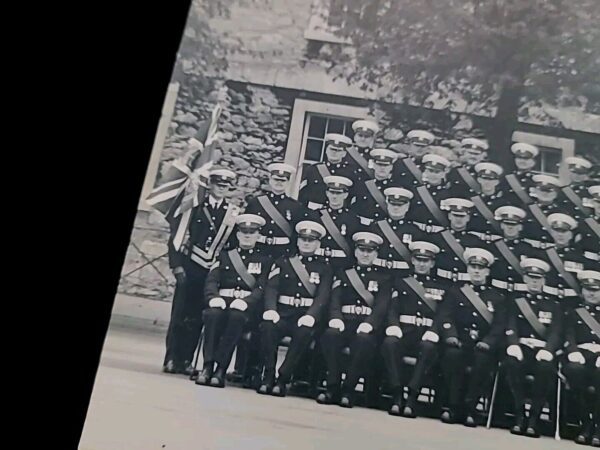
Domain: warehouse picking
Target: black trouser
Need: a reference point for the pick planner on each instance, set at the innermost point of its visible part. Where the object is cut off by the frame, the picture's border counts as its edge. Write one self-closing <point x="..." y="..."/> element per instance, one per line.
<point x="222" y="331"/>
<point x="362" y="351"/>
<point x="455" y="362"/>
<point x="185" y="326"/>
<point x="544" y="373"/>
<point x="394" y="350"/>
<point x="428" y="357"/>
<point x="272" y="333"/>
<point x="584" y="380"/>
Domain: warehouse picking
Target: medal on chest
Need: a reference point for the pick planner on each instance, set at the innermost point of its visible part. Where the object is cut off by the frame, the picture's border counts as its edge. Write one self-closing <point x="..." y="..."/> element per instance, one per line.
<point x="254" y="268"/>
<point x="288" y="214"/>
<point x="545" y="317"/>
<point x="434" y="294"/>
<point x="490" y="307"/>
<point x="373" y="286"/>
<point x="343" y="229"/>
<point x="314" y="278"/>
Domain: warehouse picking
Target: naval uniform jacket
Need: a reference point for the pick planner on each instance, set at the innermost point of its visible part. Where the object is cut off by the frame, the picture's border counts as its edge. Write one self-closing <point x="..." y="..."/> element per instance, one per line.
<point x="312" y="188"/>
<point x="366" y="206"/>
<point x="578" y="333"/>
<point x="346" y="223"/>
<point x="397" y="261"/>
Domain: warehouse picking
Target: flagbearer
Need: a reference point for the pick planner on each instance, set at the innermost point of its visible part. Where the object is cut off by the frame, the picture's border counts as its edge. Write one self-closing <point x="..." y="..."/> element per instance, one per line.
<point x="359" y="300"/>
<point x="479" y="313"/>
<point x="209" y="225"/>
<point x="533" y="335"/>
<point x="312" y="188"/>
<point x="414" y="312"/>
<point x="296" y="297"/>
<point x="234" y="290"/>
<point x="280" y="211"/>
<point x="340" y="222"/>
<point x="582" y="367"/>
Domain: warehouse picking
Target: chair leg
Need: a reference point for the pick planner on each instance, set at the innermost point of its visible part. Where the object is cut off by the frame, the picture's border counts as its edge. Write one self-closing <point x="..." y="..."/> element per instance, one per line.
<point x="492" y="401"/>
<point x="197" y="356"/>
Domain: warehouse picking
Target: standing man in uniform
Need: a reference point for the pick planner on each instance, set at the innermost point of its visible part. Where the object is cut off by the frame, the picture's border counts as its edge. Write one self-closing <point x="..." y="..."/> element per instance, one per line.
<point x="533" y="335"/>
<point x="582" y="367"/>
<point x="590" y="230"/>
<point x="370" y="201"/>
<point x="210" y="225"/>
<point x="340" y="222"/>
<point x="407" y="170"/>
<point x="365" y="134"/>
<point x="414" y="311"/>
<point x="359" y="300"/>
<point x="234" y="290"/>
<point x="312" y="188"/>
<point x="463" y="177"/>
<point x="296" y="297"/>
<point x="479" y="313"/>
<point x="280" y="211"/>
<point x="516" y="184"/>
<point x="573" y="196"/>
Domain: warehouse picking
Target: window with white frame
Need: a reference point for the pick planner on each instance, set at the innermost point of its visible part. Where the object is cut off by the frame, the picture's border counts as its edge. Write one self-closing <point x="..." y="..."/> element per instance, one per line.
<point x="553" y="151"/>
<point x="548" y="161"/>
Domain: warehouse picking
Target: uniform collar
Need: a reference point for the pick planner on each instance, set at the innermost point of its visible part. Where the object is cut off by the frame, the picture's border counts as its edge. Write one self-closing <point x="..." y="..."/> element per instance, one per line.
<point x="277" y="196"/>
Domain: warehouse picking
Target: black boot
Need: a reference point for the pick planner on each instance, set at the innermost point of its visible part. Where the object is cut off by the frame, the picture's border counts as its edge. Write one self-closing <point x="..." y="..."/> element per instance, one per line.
<point x="397" y="403"/>
<point x="347" y="398"/>
<point x="410" y="410"/>
<point x="520" y="423"/>
<point x="206" y="374"/>
<point x="470" y="420"/>
<point x="280" y="388"/>
<point x="327" y="398"/>
<point x="448" y="416"/>
<point x="532" y="426"/>
<point x="218" y="379"/>
<point x="188" y="368"/>
<point x="595" y="441"/>
<point x="266" y="385"/>
<point x="170" y="367"/>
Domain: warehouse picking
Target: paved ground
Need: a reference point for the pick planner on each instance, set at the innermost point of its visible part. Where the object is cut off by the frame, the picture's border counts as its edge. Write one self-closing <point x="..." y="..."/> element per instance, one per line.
<point x="135" y="406"/>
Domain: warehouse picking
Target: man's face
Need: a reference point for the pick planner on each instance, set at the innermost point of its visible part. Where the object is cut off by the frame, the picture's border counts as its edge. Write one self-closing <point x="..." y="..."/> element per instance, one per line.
<point x="471" y="156"/>
<point x="458" y="222"/>
<point x="488" y="185"/>
<point x="397" y="211"/>
<point x="247" y="238"/>
<point x="478" y="274"/>
<point x="578" y="177"/>
<point x="524" y="163"/>
<point x="336" y="199"/>
<point x="218" y="191"/>
<point x="365" y="256"/>
<point x="511" y="230"/>
<point x="596" y="203"/>
<point x="278" y="186"/>
<point x="534" y="284"/>
<point x="335" y="154"/>
<point x="418" y="150"/>
<point x="591" y="296"/>
<point x="422" y="266"/>
<point x="562" y="238"/>
<point x="545" y="196"/>
<point x="308" y="245"/>
<point x="382" y="171"/>
<point x="433" y="176"/>
<point x="364" y="139"/>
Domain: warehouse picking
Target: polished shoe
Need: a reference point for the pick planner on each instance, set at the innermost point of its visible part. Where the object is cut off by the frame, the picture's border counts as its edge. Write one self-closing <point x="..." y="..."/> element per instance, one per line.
<point x="470" y="421"/>
<point x="448" y="416"/>
<point x="326" y="398"/>
<point x="409" y="412"/>
<point x="396" y="408"/>
<point x="218" y="379"/>
<point x="266" y="385"/>
<point x="595" y="442"/>
<point x="532" y="427"/>
<point x="519" y="427"/>
<point x="346" y="401"/>
<point x="170" y="367"/>
<point x="188" y="369"/>
<point x="584" y="436"/>
<point x="279" y="390"/>
<point x="206" y="374"/>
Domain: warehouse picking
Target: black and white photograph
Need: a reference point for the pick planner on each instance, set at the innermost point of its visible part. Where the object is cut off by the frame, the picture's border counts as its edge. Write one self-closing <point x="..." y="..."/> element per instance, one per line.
<point x="365" y="224"/>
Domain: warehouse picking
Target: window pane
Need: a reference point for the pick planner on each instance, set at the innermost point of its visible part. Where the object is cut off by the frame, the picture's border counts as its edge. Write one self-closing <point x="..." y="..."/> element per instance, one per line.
<point x="335" y="126"/>
<point x="348" y="131"/>
<point x="551" y="160"/>
<point x="313" y="150"/>
<point x="316" y="127"/>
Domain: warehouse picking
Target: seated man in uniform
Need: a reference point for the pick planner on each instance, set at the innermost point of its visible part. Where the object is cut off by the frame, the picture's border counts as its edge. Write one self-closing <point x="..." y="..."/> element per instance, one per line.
<point x="312" y="188"/>
<point x="414" y="310"/>
<point x="340" y="222"/>
<point x="479" y="313"/>
<point x="582" y="367"/>
<point x="533" y="335"/>
<point x="370" y="202"/>
<point x="296" y="297"/>
<point x="234" y="290"/>
<point x="359" y="300"/>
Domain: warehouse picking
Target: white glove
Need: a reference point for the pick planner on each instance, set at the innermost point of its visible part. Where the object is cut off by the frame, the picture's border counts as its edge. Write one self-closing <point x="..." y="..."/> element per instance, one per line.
<point x="217" y="302"/>
<point x="364" y="328"/>
<point x="576" y="357"/>
<point x="306" y="321"/>
<point x="544" y="355"/>
<point x="337" y="323"/>
<point x="430" y="336"/>
<point x="239" y="304"/>
<point x="271" y="315"/>
<point x="598" y="361"/>
<point x="394" y="331"/>
<point x="515" y="351"/>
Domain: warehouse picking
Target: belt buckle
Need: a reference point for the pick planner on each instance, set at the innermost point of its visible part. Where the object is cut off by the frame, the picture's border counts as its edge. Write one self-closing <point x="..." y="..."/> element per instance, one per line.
<point x="269" y="241"/>
<point x="327" y="252"/>
<point x="418" y="321"/>
<point x="357" y="309"/>
<point x="389" y="264"/>
<point x="297" y="302"/>
<point x="237" y="294"/>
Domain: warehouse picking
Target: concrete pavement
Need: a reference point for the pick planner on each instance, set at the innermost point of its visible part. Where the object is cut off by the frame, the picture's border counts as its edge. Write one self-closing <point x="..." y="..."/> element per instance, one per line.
<point x="136" y="407"/>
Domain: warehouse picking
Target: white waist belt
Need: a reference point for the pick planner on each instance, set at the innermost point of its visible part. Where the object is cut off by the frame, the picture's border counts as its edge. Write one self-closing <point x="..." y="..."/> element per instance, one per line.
<point x="423" y="227"/>
<point x="592" y="255"/>
<point x="390" y="264"/>
<point x="415" y="320"/>
<point x="235" y="293"/>
<point x="273" y="240"/>
<point x="365" y="220"/>
<point x="295" y="301"/>
<point x="462" y="276"/>
<point x="532" y="342"/>
<point x="590" y="346"/>
<point x="352" y="309"/>
<point x="314" y="205"/>
<point x="330" y="253"/>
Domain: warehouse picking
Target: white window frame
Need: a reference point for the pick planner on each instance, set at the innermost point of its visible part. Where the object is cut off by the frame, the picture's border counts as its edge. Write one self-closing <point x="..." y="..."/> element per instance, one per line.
<point x="565" y="145"/>
<point x="159" y="141"/>
<point x="318" y="28"/>
<point x="296" y="144"/>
